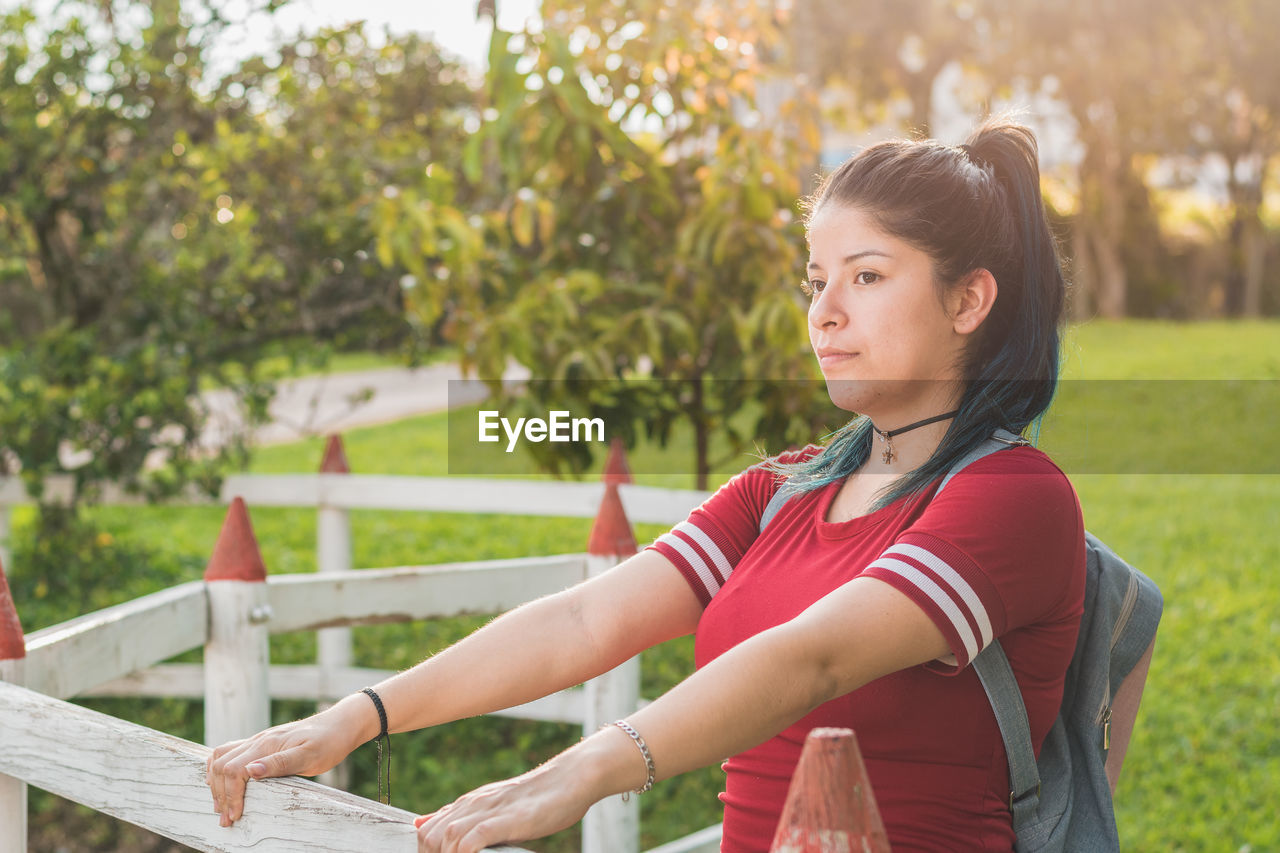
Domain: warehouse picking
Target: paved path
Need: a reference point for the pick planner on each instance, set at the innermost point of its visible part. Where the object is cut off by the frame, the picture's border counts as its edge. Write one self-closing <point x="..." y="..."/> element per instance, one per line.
<point x="314" y="405"/>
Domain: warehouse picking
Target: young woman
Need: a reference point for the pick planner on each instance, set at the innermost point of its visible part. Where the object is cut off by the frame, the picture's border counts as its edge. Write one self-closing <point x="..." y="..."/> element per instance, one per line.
<point x="936" y="303"/>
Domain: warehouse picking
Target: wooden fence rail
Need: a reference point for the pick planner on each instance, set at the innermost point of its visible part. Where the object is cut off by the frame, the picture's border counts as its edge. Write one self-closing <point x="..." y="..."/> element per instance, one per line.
<point x="65" y="660"/>
<point x="157" y="781"/>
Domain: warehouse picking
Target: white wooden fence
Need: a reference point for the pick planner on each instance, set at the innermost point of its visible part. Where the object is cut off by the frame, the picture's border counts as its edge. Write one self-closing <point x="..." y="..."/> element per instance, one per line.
<point x="157" y="781"/>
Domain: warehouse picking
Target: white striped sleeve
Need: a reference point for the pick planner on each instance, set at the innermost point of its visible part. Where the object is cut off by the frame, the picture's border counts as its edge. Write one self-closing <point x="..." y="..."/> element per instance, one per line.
<point x="941" y="589"/>
<point x="699" y="555"/>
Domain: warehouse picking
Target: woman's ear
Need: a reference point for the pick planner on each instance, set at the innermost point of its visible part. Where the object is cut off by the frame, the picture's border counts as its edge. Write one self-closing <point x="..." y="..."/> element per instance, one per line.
<point x="972" y="300"/>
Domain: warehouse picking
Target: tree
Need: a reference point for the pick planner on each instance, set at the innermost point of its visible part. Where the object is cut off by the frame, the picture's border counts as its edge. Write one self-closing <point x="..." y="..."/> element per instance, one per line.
<point x="1107" y="63"/>
<point x="1231" y="108"/>
<point x="159" y="228"/>
<point x="601" y="253"/>
<point x="884" y="51"/>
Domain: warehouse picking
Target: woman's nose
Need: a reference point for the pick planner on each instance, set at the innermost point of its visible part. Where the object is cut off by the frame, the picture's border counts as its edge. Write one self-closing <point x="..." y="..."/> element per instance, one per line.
<point x="825" y="310"/>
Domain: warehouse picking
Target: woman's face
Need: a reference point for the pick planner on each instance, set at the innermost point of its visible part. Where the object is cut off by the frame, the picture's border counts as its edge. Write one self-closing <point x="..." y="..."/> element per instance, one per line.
<point x="885" y="343"/>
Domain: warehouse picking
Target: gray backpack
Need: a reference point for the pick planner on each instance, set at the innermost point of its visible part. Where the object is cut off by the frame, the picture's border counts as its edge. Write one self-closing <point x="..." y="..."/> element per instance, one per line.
<point x="1063" y="801"/>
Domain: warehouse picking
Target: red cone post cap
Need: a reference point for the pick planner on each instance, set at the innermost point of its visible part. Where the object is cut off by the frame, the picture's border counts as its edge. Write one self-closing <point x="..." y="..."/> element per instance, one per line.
<point x="830" y="805"/>
<point x="236" y="556"/>
<point x="13" y="646"/>
<point x="335" y="457"/>
<point x="611" y="533"/>
<point x="616" y="469"/>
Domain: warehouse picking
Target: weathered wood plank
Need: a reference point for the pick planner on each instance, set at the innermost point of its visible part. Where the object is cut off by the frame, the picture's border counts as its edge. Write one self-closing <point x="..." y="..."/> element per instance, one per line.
<point x="306" y="602"/>
<point x="60" y="488"/>
<point x="613" y="824"/>
<point x="650" y="505"/>
<point x="13" y="791"/>
<point x="66" y="659"/>
<point x="307" y="682"/>
<point x="452" y="494"/>
<point x="237" y="698"/>
<point x="157" y="781"/>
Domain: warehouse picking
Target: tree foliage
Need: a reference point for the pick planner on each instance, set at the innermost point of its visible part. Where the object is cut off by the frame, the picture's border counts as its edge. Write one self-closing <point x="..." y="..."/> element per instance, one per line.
<point x="160" y="229"/>
<point x="644" y="275"/>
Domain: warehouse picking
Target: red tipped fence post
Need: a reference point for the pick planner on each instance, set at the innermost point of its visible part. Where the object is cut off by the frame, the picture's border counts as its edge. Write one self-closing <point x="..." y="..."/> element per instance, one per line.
<point x="830" y="805"/>
<point x="616" y="469"/>
<point x="611" y="826"/>
<point x="237" y="701"/>
<point x="13" y="650"/>
<point x="333" y="554"/>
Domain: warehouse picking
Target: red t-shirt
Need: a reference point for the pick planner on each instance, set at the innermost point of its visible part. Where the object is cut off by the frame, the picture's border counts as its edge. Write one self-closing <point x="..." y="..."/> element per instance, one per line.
<point x="1000" y="553"/>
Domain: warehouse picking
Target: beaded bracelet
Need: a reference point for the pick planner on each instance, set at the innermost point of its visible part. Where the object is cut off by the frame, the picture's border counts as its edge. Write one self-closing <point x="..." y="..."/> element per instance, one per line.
<point x="644" y="750"/>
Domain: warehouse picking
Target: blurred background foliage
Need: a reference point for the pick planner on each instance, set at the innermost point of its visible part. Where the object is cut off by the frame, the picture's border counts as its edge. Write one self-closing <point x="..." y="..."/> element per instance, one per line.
<point x="616" y="196"/>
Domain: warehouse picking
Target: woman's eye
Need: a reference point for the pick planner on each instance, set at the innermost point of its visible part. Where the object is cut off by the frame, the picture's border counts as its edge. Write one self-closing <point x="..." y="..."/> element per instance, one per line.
<point x="812" y="287"/>
<point x="873" y="277"/>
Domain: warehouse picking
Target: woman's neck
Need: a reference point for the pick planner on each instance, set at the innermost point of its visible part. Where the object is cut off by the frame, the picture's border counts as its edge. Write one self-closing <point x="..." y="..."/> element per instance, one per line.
<point x="903" y="452"/>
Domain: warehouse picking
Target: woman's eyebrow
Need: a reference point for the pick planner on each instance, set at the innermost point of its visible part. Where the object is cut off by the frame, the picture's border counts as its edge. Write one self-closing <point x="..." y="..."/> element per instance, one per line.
<point x="813" y="265"/>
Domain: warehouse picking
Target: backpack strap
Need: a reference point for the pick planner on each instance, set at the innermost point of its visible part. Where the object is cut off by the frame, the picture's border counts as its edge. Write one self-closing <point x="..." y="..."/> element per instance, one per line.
<point x="999" y="440"/>
<point x="1001" y="686"/>
<point x="992" y="667"/>
<point x="779" y="498"/>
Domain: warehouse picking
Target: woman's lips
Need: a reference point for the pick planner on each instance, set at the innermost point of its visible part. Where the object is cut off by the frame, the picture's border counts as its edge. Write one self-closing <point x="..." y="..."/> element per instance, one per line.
<point x="831" y="359"/>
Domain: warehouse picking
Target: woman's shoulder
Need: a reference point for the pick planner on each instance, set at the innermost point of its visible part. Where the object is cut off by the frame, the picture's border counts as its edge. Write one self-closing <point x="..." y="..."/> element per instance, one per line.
<point x="1019" y="493"/>
<point x="1017" y="461"/>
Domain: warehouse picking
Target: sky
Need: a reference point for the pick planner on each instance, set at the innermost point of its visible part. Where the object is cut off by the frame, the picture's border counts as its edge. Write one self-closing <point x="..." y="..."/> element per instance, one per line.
<point x="451" y="23"/>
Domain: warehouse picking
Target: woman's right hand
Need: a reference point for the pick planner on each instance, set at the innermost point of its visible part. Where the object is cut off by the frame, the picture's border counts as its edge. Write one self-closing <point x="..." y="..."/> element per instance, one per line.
<point x="304" y="747"/>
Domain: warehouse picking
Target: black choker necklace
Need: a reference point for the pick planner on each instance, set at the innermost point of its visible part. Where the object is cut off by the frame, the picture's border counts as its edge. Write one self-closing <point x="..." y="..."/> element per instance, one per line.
<point x="887" y="437"/>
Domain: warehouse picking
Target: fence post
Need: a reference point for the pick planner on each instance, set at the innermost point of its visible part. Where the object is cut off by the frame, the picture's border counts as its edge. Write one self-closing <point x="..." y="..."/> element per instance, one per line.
<point x="611" y="826"/>
<point x="13" y="649"/>
<point x="333" y="554"/>
<point x="236" y="698"/>
<point x="830" y="804"/>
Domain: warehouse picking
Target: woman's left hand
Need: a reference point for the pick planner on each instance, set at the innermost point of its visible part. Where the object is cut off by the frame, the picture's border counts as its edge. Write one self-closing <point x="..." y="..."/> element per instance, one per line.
<point x="532" y="805"/>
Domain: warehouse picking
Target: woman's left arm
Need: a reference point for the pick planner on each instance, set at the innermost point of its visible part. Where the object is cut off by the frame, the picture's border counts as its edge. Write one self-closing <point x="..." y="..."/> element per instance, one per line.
<point x="861" y="631"/>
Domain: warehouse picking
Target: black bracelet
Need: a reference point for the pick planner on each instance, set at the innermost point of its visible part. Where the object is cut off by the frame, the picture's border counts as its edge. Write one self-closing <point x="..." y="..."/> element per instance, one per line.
<point x="383" y="735"/>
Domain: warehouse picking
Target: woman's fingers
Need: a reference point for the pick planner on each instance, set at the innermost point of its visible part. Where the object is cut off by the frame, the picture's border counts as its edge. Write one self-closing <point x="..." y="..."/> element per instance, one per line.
<point x="528" y="806"/>
<point x="462" y="833"/>
<point x="451" y="829"/>
<point x="232" y="765"/>
<point x="287" y="762"/>
<point x="213" y="771"/>
<point x="304" y="747"/>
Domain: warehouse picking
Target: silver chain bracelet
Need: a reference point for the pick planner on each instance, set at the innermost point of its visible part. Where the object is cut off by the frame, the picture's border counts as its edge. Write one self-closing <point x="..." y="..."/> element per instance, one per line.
<point x="644" y="750"/>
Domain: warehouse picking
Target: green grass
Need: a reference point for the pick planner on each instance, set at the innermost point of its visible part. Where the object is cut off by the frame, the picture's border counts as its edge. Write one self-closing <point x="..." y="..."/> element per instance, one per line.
<point x="1161" y="349"/>
<point x="1203" y="769"/>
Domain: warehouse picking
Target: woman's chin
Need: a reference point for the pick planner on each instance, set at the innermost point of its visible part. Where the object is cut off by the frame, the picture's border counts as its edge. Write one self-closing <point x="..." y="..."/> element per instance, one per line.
<point x="852" y="395"/>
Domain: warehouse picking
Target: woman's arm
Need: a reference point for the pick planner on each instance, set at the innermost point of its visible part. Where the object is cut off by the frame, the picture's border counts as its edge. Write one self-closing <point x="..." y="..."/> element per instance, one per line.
<point x="857" y="633"/>
<point x="536" y="649"/>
